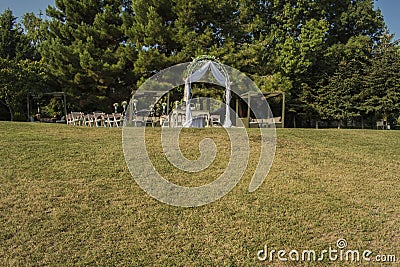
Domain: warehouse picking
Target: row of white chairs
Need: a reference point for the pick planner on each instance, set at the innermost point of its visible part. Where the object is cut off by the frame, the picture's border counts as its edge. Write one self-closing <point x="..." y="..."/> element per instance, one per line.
<point x="199" y="120"/>
<point x="95" y="119"/>
<point x="100" y="119"/>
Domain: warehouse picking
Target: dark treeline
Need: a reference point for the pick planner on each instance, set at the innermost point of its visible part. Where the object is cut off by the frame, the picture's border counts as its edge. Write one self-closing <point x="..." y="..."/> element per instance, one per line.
<point x="334" y="59"/>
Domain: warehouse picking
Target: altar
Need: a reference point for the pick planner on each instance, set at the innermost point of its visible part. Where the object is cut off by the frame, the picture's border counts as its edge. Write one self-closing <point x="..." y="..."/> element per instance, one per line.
<point x="177" y="118"/>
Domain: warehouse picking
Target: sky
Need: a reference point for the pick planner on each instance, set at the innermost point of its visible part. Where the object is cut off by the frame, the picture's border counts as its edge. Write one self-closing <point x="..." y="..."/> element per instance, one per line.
<point x="20" y="7"/>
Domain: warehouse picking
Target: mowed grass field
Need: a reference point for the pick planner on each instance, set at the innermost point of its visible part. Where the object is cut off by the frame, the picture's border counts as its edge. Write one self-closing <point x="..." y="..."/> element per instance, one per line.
<point x="68" y="199"/>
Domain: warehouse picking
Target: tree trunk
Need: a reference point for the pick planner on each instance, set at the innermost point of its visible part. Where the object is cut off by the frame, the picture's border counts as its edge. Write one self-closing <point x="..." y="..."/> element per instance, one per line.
<point x="11" y="113"/>
<point x="9" y="109"/>
<point x="294" y="121"/>
<point x="339" y="124"/>
<point x="385" y="121"/>
<point x="362" y="122"/>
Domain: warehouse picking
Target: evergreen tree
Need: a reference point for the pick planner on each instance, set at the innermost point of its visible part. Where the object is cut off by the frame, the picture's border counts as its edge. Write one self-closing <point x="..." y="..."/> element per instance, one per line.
<point x="13" y="43"/>
<point x="382" y="82"/>
<point x="86" y="48"/>
<point x="34" y="32"/>
<point x="152" y="34"/>
<point x="97" y="47"/>
<point x="340" y="98"/>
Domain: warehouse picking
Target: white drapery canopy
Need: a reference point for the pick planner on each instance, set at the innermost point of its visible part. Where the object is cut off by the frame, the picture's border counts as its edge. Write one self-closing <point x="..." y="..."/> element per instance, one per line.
<point x="220" y="77"/>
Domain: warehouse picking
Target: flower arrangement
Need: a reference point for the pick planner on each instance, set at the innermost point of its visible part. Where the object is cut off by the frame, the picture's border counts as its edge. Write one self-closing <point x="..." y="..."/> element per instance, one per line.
<point x="198" y="61"/>
<point x="204" y="57"/>
<point x="164" y="106"/>
<point x="124" y="104"/>
<point x="116" y="105"/>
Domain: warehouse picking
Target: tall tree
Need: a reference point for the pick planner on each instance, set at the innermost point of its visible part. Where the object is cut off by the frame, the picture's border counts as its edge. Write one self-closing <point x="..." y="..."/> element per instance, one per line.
<point x="86" y="48"/>
<point x="34" y="32"/>
<point x="328" y="25"/>
<point x="93" y="46"/>
<point x="382" y="82"/>
<point x="18" y="72"/>
<point x="341" y="98"/>
<point x="152" y="34"/>
<point x="13" y="43"/>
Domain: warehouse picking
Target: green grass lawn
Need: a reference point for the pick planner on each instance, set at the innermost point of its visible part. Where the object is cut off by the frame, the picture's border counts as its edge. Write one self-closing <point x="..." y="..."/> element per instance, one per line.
<point x="67" y="198"/>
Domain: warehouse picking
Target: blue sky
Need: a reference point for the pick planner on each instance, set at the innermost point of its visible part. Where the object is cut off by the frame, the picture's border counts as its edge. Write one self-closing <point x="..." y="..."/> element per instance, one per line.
<point x="19" y="7"/>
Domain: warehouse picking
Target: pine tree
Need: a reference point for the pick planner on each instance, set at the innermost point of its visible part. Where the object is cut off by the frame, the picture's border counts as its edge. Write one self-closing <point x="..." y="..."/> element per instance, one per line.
<point x="13" y="43"/>
<point x="34" y="32"/>
<point x="86" y="48"/>
<point x="382" y="82"/>
<point x="340" y="98"/>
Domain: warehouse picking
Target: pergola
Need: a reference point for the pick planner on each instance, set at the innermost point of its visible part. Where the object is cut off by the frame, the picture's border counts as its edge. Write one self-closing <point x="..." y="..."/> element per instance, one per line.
<point x="249" y="95"/>
<point x="60" y="95"/>
<point x="195" y="71"/>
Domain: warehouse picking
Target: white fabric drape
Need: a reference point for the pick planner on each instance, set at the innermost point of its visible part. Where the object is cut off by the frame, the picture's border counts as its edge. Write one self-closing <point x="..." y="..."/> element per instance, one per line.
<point x="188" y="118"/>
<point x="220" y="78"/>
<point x="194" y="77"/>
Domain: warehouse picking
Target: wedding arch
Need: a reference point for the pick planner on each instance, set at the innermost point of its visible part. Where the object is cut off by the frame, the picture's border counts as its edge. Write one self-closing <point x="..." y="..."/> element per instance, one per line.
<point x="194" y="72"/>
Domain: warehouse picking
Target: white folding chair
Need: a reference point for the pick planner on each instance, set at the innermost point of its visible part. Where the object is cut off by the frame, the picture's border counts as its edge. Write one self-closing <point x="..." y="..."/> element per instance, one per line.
<point x="88" y="120"/>
<point x="118" y="119"/>
<point x="109" y="120"/>
<point x="215" y="120"/>
<point x="98" y="119"/>
<point x="77" y="118"/>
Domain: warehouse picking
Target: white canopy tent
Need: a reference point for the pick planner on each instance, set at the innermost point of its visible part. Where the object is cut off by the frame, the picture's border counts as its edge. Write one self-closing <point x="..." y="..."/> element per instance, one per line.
<point x="196" y="70"/>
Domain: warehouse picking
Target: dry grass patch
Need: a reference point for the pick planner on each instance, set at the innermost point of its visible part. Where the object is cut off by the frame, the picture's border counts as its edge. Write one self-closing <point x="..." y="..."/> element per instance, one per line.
<point x="67" y="198"/>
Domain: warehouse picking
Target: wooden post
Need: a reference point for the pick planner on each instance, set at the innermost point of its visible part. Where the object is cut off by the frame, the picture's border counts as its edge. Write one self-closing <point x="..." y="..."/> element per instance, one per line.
<point x="168" y="103"/>
<point x="248" y="109"/>
<point x="283" y="109"/>
<point x="237" y="111"/>
<point x="65" y="104"/>
<point x="28" y="98"/>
